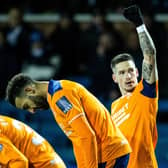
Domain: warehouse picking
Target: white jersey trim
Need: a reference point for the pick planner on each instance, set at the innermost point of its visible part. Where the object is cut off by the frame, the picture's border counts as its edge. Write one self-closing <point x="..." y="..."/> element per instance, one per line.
<point x="75" y="117"/>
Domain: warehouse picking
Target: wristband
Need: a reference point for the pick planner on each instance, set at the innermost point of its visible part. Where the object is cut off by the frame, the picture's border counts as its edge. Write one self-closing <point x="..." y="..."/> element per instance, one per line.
<point x="141" y="28"/>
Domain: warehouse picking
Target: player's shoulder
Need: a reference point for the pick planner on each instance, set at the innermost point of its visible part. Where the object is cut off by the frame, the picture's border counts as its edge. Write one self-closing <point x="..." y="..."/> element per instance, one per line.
<point x="57" y="85"/>
<point x="71" y="86"/>
<point x="5" y="118"/>
<point x="149" y="90"/>
<point x="11" y="123"/>
<point x="69" y="83"/>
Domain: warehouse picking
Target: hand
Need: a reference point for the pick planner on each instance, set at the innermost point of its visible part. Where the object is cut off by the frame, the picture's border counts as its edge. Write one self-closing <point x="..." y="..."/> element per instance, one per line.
<point x="133" y="14"/>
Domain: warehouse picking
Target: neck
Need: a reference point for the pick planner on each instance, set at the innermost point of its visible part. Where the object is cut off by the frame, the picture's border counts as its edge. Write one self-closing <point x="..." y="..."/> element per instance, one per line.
<point x="123" y="92"/>
<point x="42" y="87"/>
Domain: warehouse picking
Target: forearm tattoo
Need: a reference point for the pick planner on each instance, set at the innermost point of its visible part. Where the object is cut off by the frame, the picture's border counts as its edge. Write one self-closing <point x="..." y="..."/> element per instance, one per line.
<point x="147" y="71"/>
<point x="148" y="50"/>
<point x="146" y="44"/>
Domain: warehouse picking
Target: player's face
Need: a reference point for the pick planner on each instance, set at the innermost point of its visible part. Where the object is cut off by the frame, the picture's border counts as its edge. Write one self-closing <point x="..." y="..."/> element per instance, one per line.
<point x="126" y="76"/>
<point x="32" y="103"/>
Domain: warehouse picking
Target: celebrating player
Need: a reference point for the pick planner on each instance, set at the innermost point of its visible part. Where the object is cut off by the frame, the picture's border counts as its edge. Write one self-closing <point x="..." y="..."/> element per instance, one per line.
<point x="135" y="112"/>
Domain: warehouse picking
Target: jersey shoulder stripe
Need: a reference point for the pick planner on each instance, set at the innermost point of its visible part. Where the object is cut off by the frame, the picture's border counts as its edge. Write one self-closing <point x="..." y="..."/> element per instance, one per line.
<point x="54" y="86"/>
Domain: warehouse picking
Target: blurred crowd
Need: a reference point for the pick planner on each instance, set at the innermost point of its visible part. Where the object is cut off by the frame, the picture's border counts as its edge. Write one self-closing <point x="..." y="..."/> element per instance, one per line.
<point x="78" y="6"/>
<point x="79" y="51"/>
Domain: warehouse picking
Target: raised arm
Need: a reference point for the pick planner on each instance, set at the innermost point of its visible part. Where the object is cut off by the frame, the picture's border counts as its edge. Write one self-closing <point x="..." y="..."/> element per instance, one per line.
<point x="149" y="65"/>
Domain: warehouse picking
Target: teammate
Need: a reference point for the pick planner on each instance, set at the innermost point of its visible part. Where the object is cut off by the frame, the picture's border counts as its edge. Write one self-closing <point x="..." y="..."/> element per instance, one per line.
<point x="97" y="142"/>
<point x="22" y="147"/>
<point x="135" y="112"/>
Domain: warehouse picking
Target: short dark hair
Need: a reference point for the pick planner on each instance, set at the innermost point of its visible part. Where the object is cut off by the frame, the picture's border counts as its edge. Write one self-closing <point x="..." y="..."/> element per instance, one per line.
<point x="15" y="87"/>
<point x="120" y="58"/>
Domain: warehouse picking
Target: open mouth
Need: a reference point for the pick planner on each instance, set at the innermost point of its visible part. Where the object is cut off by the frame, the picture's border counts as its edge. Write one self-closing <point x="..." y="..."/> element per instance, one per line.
<point x="129" y="83"/>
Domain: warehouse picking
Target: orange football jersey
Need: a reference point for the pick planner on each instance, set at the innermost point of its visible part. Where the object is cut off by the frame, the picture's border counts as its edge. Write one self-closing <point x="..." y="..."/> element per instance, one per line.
<point x="19" y="142"/>
<point x="87" y="123"/>
<point x="135" y="115"/>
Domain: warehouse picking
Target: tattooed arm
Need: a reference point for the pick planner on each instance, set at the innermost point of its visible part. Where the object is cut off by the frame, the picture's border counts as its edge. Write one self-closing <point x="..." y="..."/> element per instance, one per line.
<point x="149" y="65"/>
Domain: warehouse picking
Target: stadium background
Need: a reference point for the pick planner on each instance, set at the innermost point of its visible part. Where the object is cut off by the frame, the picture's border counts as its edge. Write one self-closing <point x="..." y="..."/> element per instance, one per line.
<point x="76" y="40"/>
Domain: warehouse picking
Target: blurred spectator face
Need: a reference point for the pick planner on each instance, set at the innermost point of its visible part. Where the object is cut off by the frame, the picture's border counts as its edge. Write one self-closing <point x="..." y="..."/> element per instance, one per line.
<point x="118" y="26"/>
<point x="123" y="28"/>
<point x="132" y="41"/>
<point x="105" y="41"/>
<point x="48" y="29"/>
<point x="37" y="49"/>
<point x="14" y="17"/>
<point x="65" y="22"/>
<point x="98" y="20"/>
<point x="84" y="26"/>
<point x="106" y="44"/>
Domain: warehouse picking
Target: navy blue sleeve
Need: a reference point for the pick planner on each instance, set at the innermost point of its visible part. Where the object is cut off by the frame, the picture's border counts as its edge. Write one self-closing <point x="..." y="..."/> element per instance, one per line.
<point x="54" y="86"/>
<point x="149" y="90"/>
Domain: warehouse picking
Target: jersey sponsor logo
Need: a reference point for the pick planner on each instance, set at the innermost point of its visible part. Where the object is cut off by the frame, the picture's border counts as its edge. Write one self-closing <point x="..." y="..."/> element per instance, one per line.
<point x="120" y="116"/>
<point x="64" y="104"/>
<point x="125" y="117"/>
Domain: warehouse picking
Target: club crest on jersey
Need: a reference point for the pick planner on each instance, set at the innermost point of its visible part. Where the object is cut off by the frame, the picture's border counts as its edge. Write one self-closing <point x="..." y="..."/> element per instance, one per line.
<point x="64" y="104"/>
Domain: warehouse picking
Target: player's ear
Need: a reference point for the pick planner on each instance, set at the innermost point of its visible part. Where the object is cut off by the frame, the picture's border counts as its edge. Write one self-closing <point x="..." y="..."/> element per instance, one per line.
<point x="114" y="77"/>
<point x="29" y="90"/>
